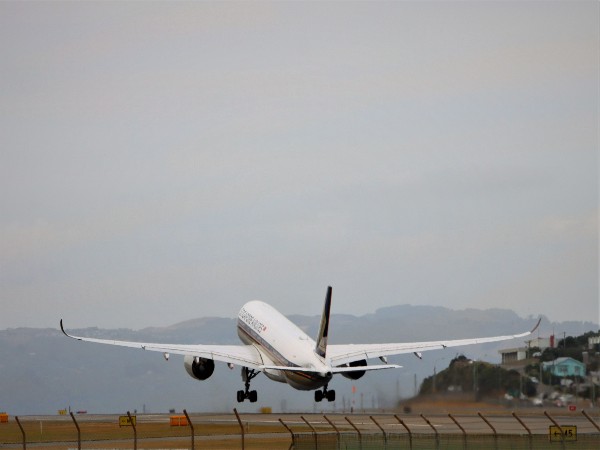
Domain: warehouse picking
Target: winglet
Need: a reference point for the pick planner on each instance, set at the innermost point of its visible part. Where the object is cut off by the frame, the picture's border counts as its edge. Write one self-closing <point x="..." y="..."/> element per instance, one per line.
<point x="321" y="347"/>
<point x="62" y="328"/>
<point x="536" y="325"/>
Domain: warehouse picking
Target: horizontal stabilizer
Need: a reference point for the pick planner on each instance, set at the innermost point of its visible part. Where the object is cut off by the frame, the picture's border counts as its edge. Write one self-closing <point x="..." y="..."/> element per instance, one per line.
<point x="330" y="369"/>
<point x="364" y="368"/>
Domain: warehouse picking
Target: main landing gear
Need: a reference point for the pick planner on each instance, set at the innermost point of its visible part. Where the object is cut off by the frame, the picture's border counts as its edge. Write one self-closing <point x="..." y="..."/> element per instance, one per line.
<point x="329" y="395"/>
<point x="247" y="376"/>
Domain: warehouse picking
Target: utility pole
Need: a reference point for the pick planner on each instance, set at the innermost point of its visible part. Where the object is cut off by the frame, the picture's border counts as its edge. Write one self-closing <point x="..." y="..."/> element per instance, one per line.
<point x="434" y="389"/>
<point x="416" y="385"/>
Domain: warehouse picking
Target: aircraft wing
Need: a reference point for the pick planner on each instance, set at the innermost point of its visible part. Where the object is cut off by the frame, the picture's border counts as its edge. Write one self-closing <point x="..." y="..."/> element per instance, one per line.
<point x="343" y="354"/>
<point x="243" y="355"/>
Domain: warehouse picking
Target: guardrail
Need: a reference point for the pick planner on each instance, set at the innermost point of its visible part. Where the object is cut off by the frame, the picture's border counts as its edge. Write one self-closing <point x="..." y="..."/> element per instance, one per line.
<point x="526" y="430"/>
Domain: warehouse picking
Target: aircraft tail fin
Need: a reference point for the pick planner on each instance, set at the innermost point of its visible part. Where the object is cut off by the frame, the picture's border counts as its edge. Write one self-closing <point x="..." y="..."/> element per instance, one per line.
<point x="321" y="347"/>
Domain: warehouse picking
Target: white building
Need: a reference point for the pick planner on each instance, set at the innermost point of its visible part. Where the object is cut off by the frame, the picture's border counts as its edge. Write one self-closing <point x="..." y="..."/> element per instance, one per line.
<point x="593" y="341"/>
<point x="511" y="355"/>
<point x="541" y="342"/>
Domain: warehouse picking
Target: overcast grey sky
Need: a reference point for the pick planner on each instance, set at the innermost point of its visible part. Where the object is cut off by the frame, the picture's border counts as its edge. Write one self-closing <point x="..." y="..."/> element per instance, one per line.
<point x="166" y="161"/>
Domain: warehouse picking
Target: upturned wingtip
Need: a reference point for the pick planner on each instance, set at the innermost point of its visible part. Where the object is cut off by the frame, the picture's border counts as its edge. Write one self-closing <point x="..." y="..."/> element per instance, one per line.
<point x="62" y="328"/>
<point x="537" y="325"/>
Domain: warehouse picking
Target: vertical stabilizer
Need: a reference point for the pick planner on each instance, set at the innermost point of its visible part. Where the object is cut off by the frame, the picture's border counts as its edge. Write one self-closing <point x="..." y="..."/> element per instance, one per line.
<point x="321" y="347"/>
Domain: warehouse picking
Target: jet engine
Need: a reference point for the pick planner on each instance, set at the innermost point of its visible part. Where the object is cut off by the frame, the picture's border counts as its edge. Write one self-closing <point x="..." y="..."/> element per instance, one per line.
<point x="355" y="374"/>
<point x="199" y="368"/>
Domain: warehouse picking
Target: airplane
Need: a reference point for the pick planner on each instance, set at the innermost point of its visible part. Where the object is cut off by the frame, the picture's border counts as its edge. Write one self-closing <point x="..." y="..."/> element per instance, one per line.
<point x="276" y="347"/>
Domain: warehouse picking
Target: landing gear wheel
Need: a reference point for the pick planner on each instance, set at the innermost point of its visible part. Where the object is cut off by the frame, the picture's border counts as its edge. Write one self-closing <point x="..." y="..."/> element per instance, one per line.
<point x="318" y="396"/>
<point x="252" y="396"/>
<point x="247" y="376"/>
<point x="329" y="395"/>
<point x="240" y="396"/>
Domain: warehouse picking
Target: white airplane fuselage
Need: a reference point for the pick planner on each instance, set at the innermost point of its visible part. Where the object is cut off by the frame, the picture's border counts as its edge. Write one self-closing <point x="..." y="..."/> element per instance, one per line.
<point x="281" y="343"/>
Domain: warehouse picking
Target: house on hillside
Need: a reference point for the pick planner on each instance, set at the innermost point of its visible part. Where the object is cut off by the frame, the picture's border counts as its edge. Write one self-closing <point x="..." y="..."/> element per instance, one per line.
<point x="513" y="355"/>
<point x="564" y="367"/>
<point x="541" y="342"/>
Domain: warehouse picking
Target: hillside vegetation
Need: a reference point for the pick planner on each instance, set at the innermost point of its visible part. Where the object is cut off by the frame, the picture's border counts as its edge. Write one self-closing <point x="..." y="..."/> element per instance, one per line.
<point x="486" y="380"/>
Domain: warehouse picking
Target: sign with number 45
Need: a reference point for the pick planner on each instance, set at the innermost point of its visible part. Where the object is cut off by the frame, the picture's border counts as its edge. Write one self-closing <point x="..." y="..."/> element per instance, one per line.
<point x="569" y="433"/>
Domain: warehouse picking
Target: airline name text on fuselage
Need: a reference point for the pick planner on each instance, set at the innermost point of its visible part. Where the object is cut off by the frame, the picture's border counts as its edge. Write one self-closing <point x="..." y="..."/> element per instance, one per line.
<point x="248" y="318"/>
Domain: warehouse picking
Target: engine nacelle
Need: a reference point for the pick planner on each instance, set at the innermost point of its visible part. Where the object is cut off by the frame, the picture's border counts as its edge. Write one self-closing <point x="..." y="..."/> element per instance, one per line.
<point x="355" y="374"/>
<point x="199" y="368"/>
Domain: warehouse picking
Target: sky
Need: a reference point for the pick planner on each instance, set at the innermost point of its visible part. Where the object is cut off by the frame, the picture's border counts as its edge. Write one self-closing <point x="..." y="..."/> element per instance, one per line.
<point x="166" y="161"/>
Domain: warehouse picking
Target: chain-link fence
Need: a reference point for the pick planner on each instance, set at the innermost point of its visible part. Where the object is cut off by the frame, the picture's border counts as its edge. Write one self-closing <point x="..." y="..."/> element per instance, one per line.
<point x="442" y="442"/>
<point x="527" y="430"/>
<point x="532" y="430"/>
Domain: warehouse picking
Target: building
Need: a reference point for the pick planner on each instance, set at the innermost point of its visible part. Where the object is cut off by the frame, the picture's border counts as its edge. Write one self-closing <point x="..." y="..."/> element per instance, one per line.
<point x="512" y="355"/>
<point x="564" y="367"/>
<point x="594" y="342"/>
<point x="541" y="342"/>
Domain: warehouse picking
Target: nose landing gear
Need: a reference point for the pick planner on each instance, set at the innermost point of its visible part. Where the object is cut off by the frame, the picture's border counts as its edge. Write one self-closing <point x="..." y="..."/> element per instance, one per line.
<point x="329" y="395"/>
<point x="247" y="376"/>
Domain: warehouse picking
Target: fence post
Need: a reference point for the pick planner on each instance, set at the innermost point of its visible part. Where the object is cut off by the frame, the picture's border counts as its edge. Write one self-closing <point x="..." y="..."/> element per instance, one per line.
<point x="526" y="427"/>
<point x="562" y="436"/>
<point x="134" y="430"/>
<point x="407" y="429"/>
<point x="357" y="430"/>
<point x="241" y="428"/>
<point x="437" y="437"/>
<point x="78" y="431"/>
<point x="590" y="419"/>
<point x="461" y="429"/>
<point x="487" y="422"/>
<point x="381" y="428"/>
<point x="314" y="432"/>
<point x="22" y="432"/>
<point x="339" y="437"/>
<point x="493" y="429"/>
<point x="191" y="426"/>
<point x="290" y="430"/>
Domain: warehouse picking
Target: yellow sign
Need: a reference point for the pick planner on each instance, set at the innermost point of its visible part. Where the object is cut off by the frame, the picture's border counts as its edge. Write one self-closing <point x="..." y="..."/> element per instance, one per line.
<point x="124" y="421"/>
<point x="569" y="433"/>
<point x="62" y="412"/>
